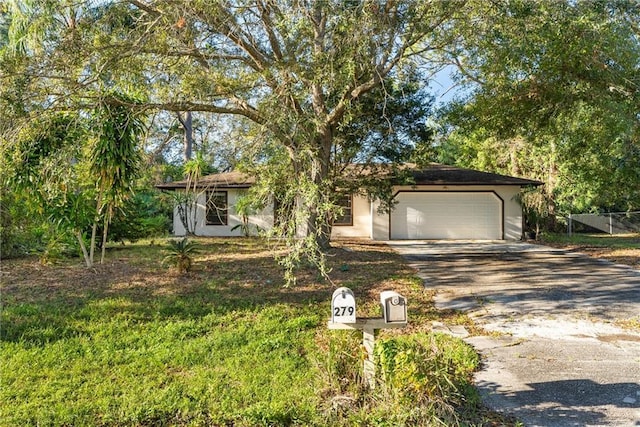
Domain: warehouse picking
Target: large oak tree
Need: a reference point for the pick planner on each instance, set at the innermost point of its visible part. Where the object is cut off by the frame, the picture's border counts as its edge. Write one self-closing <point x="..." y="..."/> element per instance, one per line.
<point x="296" y="69"/>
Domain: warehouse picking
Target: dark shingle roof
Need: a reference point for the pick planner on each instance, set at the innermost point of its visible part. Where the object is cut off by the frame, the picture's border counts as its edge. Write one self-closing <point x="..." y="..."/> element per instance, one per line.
<point x="435" y="174"/>
<point x="216" y="180"/>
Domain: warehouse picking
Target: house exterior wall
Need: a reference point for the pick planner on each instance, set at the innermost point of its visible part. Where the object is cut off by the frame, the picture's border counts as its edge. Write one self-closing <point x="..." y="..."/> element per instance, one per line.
<point x="262" y="219"/>
<point x="512" y="211"/>
<point x="367" y="221"/>
<point x="361" y="211"/>
<point x="379" y="222"/>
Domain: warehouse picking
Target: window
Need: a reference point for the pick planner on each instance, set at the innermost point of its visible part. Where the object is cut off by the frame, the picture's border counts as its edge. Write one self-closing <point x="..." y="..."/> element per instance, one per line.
<point x="345" y="203"/>
<point x="217" y="208"/>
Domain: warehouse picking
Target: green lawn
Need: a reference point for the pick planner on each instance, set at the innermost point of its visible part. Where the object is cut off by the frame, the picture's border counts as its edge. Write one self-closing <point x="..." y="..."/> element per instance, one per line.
<point x="615" y="241"/>
<point x="132" y="343"/>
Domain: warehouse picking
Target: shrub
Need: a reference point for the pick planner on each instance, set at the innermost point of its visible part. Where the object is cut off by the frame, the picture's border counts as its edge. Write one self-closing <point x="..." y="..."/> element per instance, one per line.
<point x="424" y="367"/>
<point x="430" y="373"/>
<point x="146" y="214"/>
<point x="18" y="238"/>
<point x="422" y="380"/>
<point x="180" y="254"/>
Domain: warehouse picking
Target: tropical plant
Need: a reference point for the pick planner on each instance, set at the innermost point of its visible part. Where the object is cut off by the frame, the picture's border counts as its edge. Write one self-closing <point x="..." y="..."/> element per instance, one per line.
<point x="180" y="254"/>
<point x="44" y="161"/>
<point x="116" y="158"/>
<point x="244" y="208"/>
<point x="187" y="200"/>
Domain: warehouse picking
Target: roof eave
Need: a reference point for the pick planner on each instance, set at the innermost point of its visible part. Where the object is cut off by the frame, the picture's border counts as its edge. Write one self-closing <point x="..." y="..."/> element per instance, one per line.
<point x="212" y="186"/>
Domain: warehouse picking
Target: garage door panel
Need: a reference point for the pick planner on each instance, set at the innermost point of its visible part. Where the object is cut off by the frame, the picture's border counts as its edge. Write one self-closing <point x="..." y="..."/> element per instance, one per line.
<point x="447" y="215"/>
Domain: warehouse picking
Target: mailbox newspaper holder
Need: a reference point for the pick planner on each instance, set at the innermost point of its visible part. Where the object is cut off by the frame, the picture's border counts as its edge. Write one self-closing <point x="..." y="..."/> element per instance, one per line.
<point x="394" y="307"/>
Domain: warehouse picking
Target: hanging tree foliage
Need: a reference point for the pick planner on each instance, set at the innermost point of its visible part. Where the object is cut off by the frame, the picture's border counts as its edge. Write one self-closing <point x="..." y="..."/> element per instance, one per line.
<point x="115" y="158"/>
<point x="297" y="70"/>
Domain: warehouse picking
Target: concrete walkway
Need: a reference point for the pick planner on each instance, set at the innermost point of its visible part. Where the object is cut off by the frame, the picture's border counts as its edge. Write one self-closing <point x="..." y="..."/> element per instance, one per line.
<point x="556" y="355"/>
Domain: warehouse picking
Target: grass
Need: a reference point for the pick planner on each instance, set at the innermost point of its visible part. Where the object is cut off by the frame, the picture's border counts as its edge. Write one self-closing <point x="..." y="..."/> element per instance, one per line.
<point x="617" y="248"/>
<point x="615" y="241"/>
<point x="131" y="343"/>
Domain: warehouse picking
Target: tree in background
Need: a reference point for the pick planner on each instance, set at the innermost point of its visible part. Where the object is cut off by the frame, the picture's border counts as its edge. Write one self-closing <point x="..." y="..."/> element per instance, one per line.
<point x="553" y="94"/>
<point x="42" y="164"/>
<point x="552" y="86"/>
<point x="77" y="157"/>
<point x="393" y="126"/>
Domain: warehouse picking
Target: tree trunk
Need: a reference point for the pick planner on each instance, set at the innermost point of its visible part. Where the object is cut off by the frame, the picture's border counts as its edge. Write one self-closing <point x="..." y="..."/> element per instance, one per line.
<point x="85" y="254"/>
<point x="550" y="190"/>
<point x="92" y="244"/>
<point x="107" y="221"/>
<point x="94" y="229"/>
<point x="193" y="215"/>
<point x="319" y="222"/>
<point x="187" y="126"/>
<point x="320" y="228"/>
<point x="323" y="238"/>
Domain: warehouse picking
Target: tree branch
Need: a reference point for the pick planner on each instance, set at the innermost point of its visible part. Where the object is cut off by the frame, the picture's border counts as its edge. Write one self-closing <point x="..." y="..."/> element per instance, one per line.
<point x="268" y="27"/>
<point x="146" y="7"/>
<point x="455" y="61"/>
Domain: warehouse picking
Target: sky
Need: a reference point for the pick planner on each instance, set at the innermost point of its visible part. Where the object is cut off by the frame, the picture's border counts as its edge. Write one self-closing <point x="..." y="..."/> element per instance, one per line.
<point x="443" y="87"/>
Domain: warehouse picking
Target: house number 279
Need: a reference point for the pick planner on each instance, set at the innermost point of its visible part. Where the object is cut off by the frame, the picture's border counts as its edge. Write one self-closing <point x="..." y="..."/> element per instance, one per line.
<point x="344" y="311"/>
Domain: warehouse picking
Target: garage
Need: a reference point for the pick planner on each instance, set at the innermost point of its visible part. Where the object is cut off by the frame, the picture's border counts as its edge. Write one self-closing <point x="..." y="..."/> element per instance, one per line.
<point x="456" y="215"/>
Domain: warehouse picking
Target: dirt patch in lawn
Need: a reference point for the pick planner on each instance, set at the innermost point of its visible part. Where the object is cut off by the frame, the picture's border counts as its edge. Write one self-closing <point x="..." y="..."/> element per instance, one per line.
<point x="619" y="256"/>
<point x="241" y="270"/>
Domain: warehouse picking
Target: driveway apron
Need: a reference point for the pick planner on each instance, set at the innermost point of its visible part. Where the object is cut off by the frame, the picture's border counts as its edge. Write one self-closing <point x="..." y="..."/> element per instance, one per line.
<point x="555" y="354"/>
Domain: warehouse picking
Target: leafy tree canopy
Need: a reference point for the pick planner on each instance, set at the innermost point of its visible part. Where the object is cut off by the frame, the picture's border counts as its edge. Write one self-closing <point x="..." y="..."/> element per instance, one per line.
<point x="298" y="71"/>
<point x="554" y="93"/>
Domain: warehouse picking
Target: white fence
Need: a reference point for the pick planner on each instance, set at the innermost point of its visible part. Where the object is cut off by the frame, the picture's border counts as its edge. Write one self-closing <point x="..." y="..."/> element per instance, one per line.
<point x="612" y="223"/>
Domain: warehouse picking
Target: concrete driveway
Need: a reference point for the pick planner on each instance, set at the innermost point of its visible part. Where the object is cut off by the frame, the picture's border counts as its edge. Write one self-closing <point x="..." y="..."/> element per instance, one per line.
<point x="556" y="355"/>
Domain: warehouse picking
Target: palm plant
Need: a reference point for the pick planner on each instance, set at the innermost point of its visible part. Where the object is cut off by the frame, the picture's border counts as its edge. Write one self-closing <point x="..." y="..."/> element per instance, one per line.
<point x="180" y="254"/>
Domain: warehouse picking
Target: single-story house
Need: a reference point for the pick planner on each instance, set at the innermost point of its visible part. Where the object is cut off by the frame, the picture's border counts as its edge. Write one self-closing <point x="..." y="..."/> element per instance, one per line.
<point x="443" y="202"/>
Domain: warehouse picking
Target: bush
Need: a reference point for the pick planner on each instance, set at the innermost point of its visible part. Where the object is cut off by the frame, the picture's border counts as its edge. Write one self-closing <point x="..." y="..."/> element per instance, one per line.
<point x="424" y="367"/>
<point x="179" y="254"/>
<point x="17" y="238"/>
<point x="428" y="374"/>
<point x="422" y="380"/>
<point x="33" y="233"/>
<point x="146" y="214"/>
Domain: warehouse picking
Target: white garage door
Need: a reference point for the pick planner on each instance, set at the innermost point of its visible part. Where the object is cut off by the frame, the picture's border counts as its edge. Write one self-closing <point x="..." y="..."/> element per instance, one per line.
<point x="447" y="215"/>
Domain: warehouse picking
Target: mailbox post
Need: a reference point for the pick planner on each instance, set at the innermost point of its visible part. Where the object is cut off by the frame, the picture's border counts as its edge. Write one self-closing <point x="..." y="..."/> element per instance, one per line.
<point x="394" y="310"/>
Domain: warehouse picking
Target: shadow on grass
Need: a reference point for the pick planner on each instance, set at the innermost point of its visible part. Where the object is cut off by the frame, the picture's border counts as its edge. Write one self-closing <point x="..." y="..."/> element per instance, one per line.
<point x="43" y="304"/>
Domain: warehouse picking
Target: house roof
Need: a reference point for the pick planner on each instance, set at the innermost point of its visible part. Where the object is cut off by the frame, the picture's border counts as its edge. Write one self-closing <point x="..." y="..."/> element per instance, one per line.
<point x="434" y="174"/>
<point x="437" y="174"/>
<point x="216" y="180"/>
